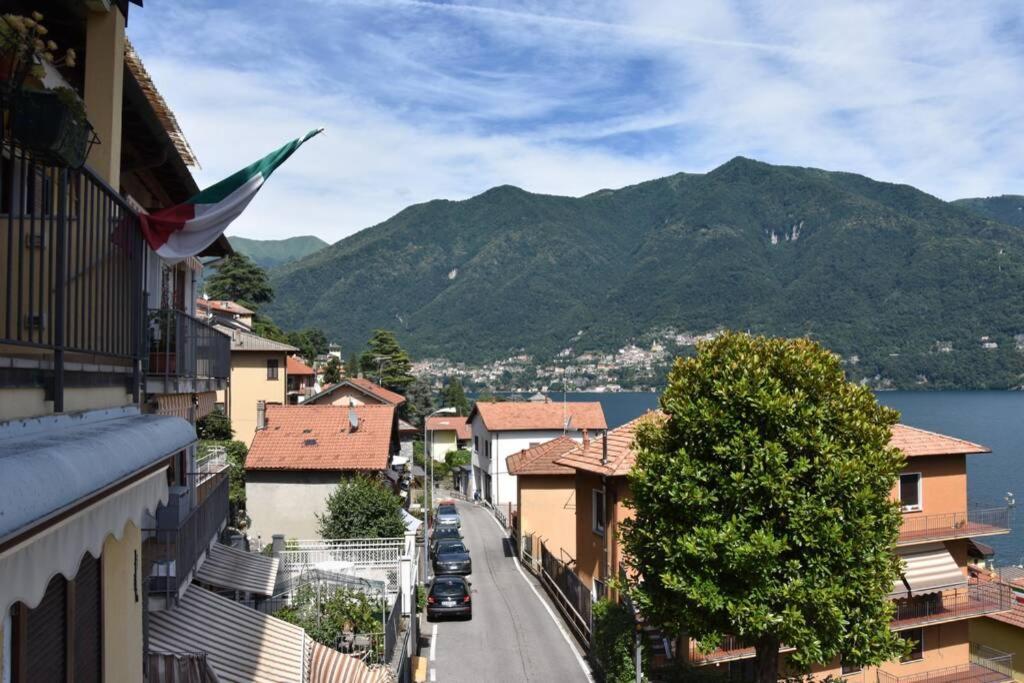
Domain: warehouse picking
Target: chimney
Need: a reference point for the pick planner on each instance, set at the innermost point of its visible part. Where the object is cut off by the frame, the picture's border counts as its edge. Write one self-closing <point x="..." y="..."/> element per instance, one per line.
<point x="261" y="415"/>
<point x="586" y="439"/>
<point x="604" y="448"/>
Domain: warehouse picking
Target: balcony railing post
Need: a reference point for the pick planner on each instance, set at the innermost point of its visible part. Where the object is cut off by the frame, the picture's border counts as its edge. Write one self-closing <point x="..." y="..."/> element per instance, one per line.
<point x="60" y="294"/>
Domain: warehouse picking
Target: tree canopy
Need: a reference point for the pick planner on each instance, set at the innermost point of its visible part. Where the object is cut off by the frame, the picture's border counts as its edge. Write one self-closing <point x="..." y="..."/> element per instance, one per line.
<point x="454" y="396"/>
<point x="332" y="371"/>
<point x="419" y="402"/>
<point x="386" y="362"/>
<point x="361" y="507"/>
<point x="311" y="342"/>
<point x="762" y="506"/>
<point x="239" y="279"/>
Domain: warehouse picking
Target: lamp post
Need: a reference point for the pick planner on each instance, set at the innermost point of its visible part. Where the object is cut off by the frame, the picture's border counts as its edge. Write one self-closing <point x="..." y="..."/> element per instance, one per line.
<point x="428" y="471"/>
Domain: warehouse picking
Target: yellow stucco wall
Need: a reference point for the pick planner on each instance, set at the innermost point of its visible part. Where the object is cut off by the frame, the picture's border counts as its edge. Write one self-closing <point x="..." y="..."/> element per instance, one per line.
<point x="30" y="402"/>
<point x="1000" y="636"/>
<point x="547" y="509"/>
<point x="249" y="384"/>
<point x="122" y="606"/>
<point x="104" y="86"/>
<point x="441" y="443"/>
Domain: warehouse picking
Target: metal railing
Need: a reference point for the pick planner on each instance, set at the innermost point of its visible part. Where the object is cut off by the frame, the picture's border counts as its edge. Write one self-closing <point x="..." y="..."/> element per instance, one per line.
<point x="985" y="666"/>
<point x="179" y="345"/>
<point x="976" y="522"/>
<point x="527" y="552"/>
<point x="71" y="265"/>
<point x="961" y="603"/>
<point x="376" y="557"/>
<point x="571" y="596"/>
<point x="170" y="555"/>
<point x="730" y="649"/>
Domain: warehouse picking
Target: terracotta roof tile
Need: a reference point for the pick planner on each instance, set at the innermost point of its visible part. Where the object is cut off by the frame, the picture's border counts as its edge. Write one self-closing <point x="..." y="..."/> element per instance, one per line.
<point x="446" y="423"/>
<point x="223" y="305"/>
<point x="526" y="415"/>
<point x="366" y="387"/>
<point x="295" y="366"/>
<point x="542" y="459"/>
<point x="916" y="442"/>
<point x="305" y="437"/>
<point x="621" y="455"/>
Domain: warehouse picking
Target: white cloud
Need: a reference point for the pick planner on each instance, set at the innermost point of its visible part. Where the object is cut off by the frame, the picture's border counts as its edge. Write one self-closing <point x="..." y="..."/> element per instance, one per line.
<point x="423" y="100"/>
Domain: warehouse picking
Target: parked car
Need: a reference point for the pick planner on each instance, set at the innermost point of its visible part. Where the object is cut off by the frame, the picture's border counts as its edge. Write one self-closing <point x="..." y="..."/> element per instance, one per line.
<point x="452" y="557"/>
<point x="449" y="596"/>
<point x="444" y="533"/>
<point x="447" y="515"/>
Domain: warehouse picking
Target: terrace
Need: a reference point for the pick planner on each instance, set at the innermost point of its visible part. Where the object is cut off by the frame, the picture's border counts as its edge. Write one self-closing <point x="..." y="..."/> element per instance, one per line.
<point x="985" y="666"/>
<point x="968" y="602"/>
<point x="918" y="528"/>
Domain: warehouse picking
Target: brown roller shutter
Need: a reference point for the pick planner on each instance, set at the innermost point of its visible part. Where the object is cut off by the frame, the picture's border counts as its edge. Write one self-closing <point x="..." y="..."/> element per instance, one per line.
<point x="46" y="636"/>
<point x="88" y="626"/>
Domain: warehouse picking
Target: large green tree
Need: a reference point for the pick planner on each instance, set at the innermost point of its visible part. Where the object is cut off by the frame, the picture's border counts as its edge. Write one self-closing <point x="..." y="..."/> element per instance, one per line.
<point x="454" y="396"/>
<point x="238" y="278"/>
<point x="361" y="507"/>
<point x="311" y="342"/>
<point x="332" y="371"/>
<point x="386" y="362"/>
<point x="419" y="402"/>
<point x="762" y="506"/>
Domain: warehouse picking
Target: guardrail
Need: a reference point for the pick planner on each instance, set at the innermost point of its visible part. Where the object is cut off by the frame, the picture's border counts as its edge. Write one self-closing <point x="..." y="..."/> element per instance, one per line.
<point x="571" y="596"/>
<point x="181" y="346"/>
<point x="918" y="528"/>
<point x="985" y="666"/>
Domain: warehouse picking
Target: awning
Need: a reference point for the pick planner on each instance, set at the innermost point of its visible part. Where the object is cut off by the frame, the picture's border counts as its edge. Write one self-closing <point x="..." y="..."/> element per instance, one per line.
<point x="412" y="523"/>
<point x="928" y="569"/>
<point x="67" y="482"/>
<point x="330" y="666"/>
<point x="227" y="567"/>
<point x="241" y="644"/>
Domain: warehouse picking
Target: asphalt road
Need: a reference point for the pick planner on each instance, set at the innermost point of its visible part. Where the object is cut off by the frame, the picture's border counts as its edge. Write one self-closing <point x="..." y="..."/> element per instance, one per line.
<point x="512" y="636"/>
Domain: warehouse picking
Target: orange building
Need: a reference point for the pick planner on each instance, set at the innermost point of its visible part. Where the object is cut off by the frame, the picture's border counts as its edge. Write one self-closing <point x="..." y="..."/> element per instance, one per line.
<point x="935" y="597"/>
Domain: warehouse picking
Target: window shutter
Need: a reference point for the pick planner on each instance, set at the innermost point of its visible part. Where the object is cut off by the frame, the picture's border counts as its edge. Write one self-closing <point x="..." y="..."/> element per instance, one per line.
<point x="88" y="626"/>
<point x="47" y="635"/>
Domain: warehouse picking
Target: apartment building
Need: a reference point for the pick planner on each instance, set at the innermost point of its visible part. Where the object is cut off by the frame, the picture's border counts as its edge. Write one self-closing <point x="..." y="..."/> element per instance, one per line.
<point x="447" y="433"/>
<point x="936" y="597"/>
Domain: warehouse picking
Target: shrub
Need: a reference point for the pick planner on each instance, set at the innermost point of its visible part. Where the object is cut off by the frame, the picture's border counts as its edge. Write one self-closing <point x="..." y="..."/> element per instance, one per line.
<point x="362" y="507"/>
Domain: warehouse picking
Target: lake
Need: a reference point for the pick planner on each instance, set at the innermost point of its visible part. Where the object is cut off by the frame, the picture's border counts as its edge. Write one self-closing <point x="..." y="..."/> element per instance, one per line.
<point x="992" y="418"/>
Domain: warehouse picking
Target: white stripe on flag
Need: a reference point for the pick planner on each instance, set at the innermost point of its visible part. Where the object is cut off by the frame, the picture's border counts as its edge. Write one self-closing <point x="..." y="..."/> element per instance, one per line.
<point x="210" y="221"/>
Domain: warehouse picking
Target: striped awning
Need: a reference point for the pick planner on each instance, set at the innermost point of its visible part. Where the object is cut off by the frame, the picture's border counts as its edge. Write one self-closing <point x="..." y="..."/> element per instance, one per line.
<point x="241" y="644"/>
<point x="928" y="569"/>
<point x="234" y="569"/>
<point x="330" y="666"/>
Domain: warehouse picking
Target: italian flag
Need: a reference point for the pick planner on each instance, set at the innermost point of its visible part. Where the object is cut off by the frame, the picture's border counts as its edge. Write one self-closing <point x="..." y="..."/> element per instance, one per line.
<point x="187" y="229"/>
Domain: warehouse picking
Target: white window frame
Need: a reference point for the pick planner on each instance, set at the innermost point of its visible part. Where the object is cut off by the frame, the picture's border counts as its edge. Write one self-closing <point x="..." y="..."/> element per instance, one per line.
<point x="597" y="521"/>
<point x="921" y="643"/>
<point x="920" y="492"/>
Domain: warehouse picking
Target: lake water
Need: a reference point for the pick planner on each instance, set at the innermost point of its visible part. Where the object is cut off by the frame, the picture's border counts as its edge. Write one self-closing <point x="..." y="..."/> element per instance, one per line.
<point x="992" y="418"/>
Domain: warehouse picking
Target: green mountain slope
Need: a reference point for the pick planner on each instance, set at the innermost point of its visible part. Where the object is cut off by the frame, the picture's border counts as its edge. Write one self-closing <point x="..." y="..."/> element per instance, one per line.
<point x="877" y="271"/>
<point x="273" y="253"/>
<point x="1008" y="208"/>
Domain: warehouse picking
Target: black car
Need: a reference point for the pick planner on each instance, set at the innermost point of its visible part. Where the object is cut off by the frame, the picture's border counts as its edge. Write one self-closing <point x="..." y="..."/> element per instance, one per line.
<point x="452" y="557"/>
<point x="449" y="596"/>
<point x="444" y="533"/>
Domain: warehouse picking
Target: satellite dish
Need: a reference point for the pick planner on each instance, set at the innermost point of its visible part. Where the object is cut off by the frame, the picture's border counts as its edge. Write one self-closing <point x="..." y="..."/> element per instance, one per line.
<point x="353" y="419"/>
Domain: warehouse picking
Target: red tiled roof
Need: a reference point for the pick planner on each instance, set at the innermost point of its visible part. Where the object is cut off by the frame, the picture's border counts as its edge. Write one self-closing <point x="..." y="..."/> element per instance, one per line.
<point x="621" y="455"/>
<point x="224" y="306"/>
<point x="916" y="442"/>
<point x="305" y="437"/>
<point x="295" y="366"/>
<point x="525" y="415"/>
<point x="366" y="387"/>
<point x="451" y="423"/>
<point x="541" y="459"/>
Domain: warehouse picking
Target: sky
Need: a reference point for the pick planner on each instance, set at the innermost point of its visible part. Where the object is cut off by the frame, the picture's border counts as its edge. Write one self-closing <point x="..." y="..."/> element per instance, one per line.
<point x="423" y="100"/>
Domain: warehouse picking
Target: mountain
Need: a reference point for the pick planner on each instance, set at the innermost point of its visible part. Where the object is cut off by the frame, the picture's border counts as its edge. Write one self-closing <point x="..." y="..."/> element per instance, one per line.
<point x="880" y="273"/>
<point x="1008" y="208"/>
<point x="273" y="253"/>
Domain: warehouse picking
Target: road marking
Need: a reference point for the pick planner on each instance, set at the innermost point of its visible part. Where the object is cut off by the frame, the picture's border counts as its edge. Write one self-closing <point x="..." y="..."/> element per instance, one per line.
<point x="433" y="675"/>
<point x="554" y="617"/>
<point x="433" y="642"/>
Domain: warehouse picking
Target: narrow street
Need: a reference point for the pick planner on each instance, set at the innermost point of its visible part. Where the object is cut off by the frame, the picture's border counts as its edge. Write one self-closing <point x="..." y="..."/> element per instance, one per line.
<point x="514" y="634"/>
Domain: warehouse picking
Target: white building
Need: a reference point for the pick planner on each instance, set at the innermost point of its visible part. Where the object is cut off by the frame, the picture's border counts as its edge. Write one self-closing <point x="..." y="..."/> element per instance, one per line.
<point x="501" y="429"/>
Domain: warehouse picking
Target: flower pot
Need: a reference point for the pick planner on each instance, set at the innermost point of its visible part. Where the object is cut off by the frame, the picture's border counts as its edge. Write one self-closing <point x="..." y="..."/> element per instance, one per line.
<point x="45" y="126"/>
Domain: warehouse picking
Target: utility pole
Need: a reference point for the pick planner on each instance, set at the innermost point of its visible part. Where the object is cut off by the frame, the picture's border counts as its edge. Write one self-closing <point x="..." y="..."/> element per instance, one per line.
<point x="428" y="493"/>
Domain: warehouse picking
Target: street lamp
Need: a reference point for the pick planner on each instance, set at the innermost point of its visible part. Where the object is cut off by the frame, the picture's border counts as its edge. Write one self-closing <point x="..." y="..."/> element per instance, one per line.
<point x="428" y="471"/>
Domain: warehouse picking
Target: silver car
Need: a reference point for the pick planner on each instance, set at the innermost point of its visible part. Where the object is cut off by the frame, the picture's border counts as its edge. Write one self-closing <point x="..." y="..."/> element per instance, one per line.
<point x="447" y="516"/>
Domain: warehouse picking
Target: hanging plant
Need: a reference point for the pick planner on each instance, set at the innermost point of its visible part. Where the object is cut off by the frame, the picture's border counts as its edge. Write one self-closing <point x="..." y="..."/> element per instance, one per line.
<point x="24" y="48"/>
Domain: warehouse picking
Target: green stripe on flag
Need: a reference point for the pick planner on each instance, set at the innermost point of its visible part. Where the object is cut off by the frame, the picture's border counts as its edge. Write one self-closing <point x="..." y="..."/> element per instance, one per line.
<point x="265" y="166"/>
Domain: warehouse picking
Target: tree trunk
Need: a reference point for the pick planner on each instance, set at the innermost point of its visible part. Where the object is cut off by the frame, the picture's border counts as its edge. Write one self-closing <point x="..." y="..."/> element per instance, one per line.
<point x="766" y="661"/>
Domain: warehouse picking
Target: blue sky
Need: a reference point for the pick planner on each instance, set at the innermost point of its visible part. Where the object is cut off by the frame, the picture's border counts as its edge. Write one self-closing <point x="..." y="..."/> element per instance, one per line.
<point x="425" y="100"/>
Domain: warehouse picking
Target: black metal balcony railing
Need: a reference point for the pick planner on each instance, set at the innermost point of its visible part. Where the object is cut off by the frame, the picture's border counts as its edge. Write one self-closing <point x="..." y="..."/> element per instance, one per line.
<point x="180" y="346"/>
<point x="976" y="522"/>
<point x="169" y="555"/>
<point x="71" y="263"/>
<point x="962" y="603"/>
<point x="986" y="665"/>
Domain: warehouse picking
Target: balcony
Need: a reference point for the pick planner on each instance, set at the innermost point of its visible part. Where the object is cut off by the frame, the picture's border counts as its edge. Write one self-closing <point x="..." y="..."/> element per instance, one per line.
<point x="71" y="259"/>
<point x="184" y="354"/>
<point x="731" y="649"/>
<point x="171" y="551"/>
<point x="971" y="601"/>
<point x="919" y="528"/>
<point x="985" y="666"/>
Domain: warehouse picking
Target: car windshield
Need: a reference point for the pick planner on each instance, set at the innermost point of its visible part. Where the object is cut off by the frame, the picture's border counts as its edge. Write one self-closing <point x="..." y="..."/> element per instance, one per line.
<point x="450" y="587"/>
<point x="451" y="547"/>
<point x="447" y="510"/>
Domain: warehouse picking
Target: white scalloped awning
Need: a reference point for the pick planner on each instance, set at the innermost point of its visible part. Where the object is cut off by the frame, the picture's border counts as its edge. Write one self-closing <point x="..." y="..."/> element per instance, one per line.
<point x="928" y="568"/>
<point x="234" y="569"/>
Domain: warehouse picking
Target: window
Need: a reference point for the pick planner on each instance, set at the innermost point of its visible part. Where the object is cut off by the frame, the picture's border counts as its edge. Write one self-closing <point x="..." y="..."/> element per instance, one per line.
<point x="272" y="369"/>
<point x="915" y="637"/>
<point x="476" y="444"/>
<point x="850" y="668"/>
<point x="910" y="491"/>
<point x="597" y="511"/>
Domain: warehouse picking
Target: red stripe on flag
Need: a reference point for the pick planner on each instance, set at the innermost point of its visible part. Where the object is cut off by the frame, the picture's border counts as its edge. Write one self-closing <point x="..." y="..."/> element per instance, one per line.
<point x="158" y="227"/>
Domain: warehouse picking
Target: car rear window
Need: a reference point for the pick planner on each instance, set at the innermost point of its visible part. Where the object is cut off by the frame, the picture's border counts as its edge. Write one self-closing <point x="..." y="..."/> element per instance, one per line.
<point x="447" y="510"/>
<point x="448" y="588"/>
<point x="451" y="547"/>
